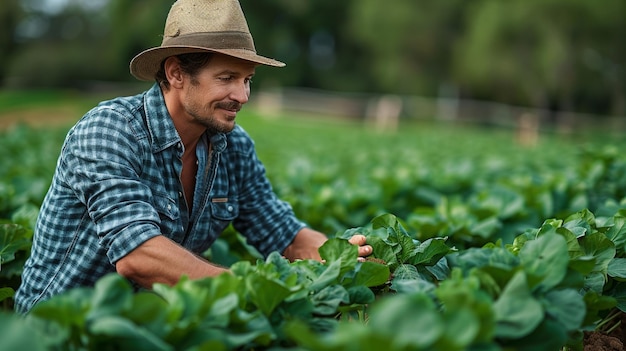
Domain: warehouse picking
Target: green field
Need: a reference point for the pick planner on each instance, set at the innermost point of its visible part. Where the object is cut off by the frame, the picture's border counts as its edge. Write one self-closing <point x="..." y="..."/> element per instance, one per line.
<point x="480" y="244"/>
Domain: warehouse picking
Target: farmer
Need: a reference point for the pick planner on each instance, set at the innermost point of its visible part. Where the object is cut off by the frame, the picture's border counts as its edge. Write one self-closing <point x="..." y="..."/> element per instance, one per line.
<point x="145" y="184"/>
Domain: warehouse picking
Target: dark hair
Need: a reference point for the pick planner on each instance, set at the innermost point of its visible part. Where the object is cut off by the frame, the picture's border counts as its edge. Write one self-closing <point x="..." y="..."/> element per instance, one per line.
<point x="189" y="63"/>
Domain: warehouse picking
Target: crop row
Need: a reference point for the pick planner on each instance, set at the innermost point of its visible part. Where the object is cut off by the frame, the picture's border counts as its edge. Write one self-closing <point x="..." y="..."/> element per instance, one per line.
<point x="477" y="246"/>
<point x="538" y="293"/>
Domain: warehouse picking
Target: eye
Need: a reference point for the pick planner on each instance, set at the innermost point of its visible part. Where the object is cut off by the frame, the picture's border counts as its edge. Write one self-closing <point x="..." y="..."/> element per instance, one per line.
<point x="248" y="80"/>
<point x="225" y="78"/>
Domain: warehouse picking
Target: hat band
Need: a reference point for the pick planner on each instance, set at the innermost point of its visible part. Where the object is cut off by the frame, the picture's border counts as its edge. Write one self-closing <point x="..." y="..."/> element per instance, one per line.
<point x="213" y="40"/>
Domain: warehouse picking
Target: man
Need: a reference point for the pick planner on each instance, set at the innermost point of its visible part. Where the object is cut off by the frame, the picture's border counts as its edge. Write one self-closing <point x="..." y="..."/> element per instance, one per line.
<point x="145" y="184"/>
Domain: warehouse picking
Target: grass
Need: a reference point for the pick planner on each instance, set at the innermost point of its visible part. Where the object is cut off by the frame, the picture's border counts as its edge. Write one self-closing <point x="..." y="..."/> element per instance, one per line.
<point x="21" y="99"/>
<point x="43" y="108"/>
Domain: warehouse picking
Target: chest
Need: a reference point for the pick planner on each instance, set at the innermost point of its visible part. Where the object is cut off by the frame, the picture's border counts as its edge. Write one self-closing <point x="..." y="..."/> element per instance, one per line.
<point x="188" y="176"/>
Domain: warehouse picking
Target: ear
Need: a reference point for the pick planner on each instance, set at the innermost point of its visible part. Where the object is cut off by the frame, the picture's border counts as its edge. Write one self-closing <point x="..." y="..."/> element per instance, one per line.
<point x="173" y="72"/>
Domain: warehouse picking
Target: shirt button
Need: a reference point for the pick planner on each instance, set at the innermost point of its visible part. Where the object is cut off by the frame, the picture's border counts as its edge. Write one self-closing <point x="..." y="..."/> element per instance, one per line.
<point x="180" y="146"/>
<point x="180" y="194"/>
<point x="230" y="208"/>
<point x="169" y="207"/>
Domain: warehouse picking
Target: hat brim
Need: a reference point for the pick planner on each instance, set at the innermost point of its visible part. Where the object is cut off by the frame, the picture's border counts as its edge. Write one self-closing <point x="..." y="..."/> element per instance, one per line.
<point x="146" y="64"/>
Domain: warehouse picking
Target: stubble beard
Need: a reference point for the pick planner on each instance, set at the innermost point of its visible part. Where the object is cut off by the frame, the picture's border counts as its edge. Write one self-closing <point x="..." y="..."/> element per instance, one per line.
<point x="209" y="121"/>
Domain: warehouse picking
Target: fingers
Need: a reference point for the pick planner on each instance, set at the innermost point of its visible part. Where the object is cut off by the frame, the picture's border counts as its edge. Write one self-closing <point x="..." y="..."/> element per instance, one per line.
<point x="364" y="249"/>
<point x="357" y="239"/>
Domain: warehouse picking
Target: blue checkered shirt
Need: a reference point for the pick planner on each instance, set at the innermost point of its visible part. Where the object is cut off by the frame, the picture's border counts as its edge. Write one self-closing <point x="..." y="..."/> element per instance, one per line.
<point x="117" y="185"/>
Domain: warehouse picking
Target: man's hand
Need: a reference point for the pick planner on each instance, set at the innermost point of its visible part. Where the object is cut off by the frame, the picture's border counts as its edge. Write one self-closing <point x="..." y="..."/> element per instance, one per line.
<point x="308" y="241"/>
<point x="364" y="249"/>
<point x="305" y="245"/>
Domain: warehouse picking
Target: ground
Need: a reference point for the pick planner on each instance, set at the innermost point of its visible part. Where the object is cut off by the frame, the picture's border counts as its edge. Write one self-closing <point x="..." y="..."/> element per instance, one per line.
<point x="614" y="341"/>
<point x="40" y="117"/>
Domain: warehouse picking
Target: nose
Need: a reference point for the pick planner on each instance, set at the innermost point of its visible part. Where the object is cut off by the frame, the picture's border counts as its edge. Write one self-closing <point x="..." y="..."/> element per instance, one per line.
<point x="241" y="92"/>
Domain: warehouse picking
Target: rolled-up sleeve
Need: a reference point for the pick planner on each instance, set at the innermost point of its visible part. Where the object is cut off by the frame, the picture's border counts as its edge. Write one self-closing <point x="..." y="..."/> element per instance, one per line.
<point x="102" y="165"/>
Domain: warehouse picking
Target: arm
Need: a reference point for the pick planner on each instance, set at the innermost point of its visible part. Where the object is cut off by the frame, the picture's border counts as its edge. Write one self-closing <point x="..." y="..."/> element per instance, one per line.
<point x="160" y="260"/>
<point x="306" y="243"/>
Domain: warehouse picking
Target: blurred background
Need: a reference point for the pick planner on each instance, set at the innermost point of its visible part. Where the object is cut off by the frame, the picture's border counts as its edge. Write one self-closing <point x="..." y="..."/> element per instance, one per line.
<point x="556" y="64"/>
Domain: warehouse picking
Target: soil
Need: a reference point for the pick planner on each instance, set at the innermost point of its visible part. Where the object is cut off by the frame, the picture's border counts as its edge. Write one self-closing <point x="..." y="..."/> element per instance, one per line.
<point x="40" y="117"/>
<point x="601" y="341"/>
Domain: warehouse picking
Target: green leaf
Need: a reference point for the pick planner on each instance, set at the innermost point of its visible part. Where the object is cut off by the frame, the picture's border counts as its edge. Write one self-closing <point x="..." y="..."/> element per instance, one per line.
<point x="326" y="302"/>
<point x="387" y="221"/>
<point x="487" y="227"/>
<point x="594" y="281"/>
<point x="303" y="335"/>
<point x="467" y="294"/>
<point x="617" y="268"/>
<point x="567" y="307"/>
<point x="112" y="294"/>
<point x="617" y="233"/>
<point x="13" y="238"/>
<point x="579" y="227"/>
<point x="150" y="311"/>
<point x="68" y="309"/>
<point x="583" y="264"/>
<point x="26" y="216"/>
<point x="407" y="248"/>
<point x="382" y="250"/>
<point x="597" y="303"/>
<point x="619" y="293"/>
<point x="439" y="270"/>
<point x="328" y="277"/>
<point x="370" y="274"/>
<point x="120" y="333"/>
<point x="429" y="252"/>
<point x="17" y="334"/>
<point x="266" y="293"/>
<point x="222" y="308"/>
<point x="600" y="248"/>
<point x="336" y="249"/>
<point x="462" y="328"/>
<point x="360" y="294"/>
<point x="573" y="246"/>
<point x="406" y="279"/>
<point x="247" y="327"/>
<point x="546" y="258"/>
<point x="411" y="321"/>
<point x="547" y="336"/>
<point x="408" y="286"/>
<point x="6" y="293"/>
<point x="517" y="311"/>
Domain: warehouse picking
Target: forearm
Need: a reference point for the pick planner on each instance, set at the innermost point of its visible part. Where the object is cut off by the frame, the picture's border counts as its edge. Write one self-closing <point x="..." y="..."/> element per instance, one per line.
<point x="160" y="260"/>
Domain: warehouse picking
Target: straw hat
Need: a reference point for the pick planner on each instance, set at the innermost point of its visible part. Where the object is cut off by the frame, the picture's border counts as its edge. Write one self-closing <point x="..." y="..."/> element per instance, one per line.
<point x="201" y="26"/>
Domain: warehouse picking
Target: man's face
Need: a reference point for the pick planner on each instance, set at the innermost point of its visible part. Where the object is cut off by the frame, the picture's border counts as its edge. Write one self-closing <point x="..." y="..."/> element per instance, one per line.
<point x="214" y="96"/>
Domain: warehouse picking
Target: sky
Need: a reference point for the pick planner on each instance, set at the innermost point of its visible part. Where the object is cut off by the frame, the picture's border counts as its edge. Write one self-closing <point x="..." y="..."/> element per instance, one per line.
<point x="55" y="6"/>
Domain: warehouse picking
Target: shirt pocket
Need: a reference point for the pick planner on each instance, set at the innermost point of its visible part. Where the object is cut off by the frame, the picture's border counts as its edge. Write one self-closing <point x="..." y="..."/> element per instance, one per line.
<point x="224" y="209"/>
<point x="169" y="214"/>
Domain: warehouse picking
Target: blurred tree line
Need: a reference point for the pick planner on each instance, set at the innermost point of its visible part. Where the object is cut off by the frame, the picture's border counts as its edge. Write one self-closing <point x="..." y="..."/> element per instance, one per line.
<point x="554" y="54"/>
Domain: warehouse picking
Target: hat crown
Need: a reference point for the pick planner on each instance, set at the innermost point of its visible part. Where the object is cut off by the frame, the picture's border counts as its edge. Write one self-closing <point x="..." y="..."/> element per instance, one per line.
<point x="194" y="26"/>
<point x="202" y="16"/>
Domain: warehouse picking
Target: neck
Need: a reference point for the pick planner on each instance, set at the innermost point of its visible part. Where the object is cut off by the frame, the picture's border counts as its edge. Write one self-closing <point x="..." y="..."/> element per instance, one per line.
<point x="189" y="131"/>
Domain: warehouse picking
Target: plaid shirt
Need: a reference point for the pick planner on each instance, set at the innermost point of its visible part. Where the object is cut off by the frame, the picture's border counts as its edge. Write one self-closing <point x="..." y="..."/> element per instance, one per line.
<point x="117" y="185"/>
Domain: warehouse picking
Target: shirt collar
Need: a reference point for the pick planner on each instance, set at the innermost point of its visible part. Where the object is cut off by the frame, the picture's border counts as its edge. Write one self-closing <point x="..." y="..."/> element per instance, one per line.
<point x="160" y="124"/>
